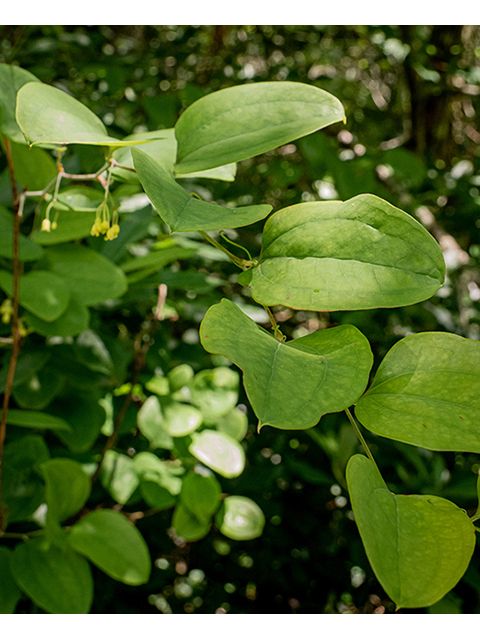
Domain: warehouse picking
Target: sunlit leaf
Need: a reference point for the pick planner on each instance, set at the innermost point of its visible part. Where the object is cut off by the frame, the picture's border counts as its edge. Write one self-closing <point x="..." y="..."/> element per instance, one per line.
<point x="219" y="452"/>
<point x="419" y="546"/>
<point x="118" y="476"/>
<point x="215" y="392"/>
<point x="201" y="495"/>
<point x="426" y="392"/>
<point x="150" y="423"/>
<point x="240" y="122"/>
<point x="240" y="518"/>
<point x="114" y="545"/>
<point x="181" y="210"/>
<point x="290" y="385"/>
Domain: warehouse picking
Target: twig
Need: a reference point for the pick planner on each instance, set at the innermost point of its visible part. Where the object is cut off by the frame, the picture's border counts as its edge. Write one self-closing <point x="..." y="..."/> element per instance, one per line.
<point x="17" y="213"/>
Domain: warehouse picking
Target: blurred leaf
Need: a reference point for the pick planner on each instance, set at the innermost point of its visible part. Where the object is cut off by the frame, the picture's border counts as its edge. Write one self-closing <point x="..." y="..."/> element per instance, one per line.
<point x="290" y="385"/>
<point x="36" y="420"/>
<point x="59" y="581"/>
<point x="10" y="594"/>
<point x="37" y="392"/>
<point x="41" y="292"/>
<point x="241" y="122"/>
<point x="201" y="495"/>
<point x="219" y="452"/>
<point x="180" y="419"/>
<point x="114" y="545"/>
<point x="73" y="321"/>
<point x="426" y="392"/>
<point x="27" y="250"/>
<point x="184" y="212"/>
<point x="234" y="424"/>
<point x="67" y="488"/>
<point x="150" y="423"/>
<point x="240" y="518"/>
<point x="85" y="417"/>
<point x="187" y="525"/>
<point x="180" y="376"/>
<point x="118" y="476"/>
<point x="215" y="392"/>
<point x="419" y="546"/>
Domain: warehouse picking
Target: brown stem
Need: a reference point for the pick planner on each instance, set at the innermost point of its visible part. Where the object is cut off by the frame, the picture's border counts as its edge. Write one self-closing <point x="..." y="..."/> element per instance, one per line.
<point x="15" y="325"/>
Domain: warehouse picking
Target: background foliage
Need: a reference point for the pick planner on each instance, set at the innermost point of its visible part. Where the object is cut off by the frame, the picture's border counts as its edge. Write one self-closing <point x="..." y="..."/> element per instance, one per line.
<point x="412" y="98"/>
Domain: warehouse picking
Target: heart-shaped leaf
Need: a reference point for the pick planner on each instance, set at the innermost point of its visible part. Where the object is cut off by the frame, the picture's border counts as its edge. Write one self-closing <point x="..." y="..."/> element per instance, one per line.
<point x="59" y="581"/>
<point x="240" y="518"/>
<point x="241" y="122"/>
<point x="114" y="545"/>
<point x="290" y="385"/>
<point x="48" y="116"/>
<point x="12" y="78"/>
<point x="427" y="392"/>
<point x="419" y="546"/>
<point x="360" y="254"/>
<point x="182" y="211"/>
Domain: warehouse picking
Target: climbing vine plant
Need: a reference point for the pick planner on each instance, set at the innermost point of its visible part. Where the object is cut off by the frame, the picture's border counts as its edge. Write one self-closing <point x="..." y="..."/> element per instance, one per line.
<point x="322" y="256"/>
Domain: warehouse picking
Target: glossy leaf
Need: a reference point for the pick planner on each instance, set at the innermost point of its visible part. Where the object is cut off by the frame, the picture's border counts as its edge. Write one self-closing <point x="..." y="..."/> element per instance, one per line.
<point x="59" y="581"/>
<point x="159" y="481"/>
<point x="49" y="116"/>
<point x="426" y="392"/>
<point x="219" y="452"/>
<point x="215" y="392"/>
<point x="12" y="78"/>
<point x="91" y="277"/>
<point x="359" y="254"/>
<point x="240" y="518"/>
<point x="241" y="122"/>
<point x="180" y="419"/>
<point x="181" y="210"/>
<point x="419" y="546"/>
<point x="43" y="293"/>
<point x="187" y="525"/>
<point x="163" y="149"/>
<point x="67" y="488"/>
<point x="150" y="423"/>
<point x="36" y="420"/>
<point x="114" y="545"/>
<point x="10" y="594"/>
<point x="290" y="385"/>
<point x="27" y="249"/>
<point x="201" y="495"/>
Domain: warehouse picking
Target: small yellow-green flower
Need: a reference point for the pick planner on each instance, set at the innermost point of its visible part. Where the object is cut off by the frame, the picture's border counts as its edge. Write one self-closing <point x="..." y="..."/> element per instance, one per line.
<point x="113" y="232"/>
<point x="6" y="309"/>
<point x="46" y="224"/>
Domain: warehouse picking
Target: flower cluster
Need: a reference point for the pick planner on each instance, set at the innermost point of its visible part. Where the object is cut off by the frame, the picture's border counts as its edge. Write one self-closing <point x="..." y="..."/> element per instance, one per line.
<point x="104" y="224"/>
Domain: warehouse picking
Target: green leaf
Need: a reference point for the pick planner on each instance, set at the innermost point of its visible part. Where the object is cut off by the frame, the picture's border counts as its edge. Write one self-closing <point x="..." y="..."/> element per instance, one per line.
<point x="184" y="212"/>
<point x="241" y="122"/>
<point x="85" y="417"/>
<point x="28" y="363"/>
<point x="187" y="525"/>
<point x="49" y="116"/>
<point x="234" y="424"/>
<point x="150" y="423"/>
<point x="163" y="149"/>
<point x="74" y="320"/>
<point x="219" y="452"/>
<point x="114" y="545"/>
<point x="180" y="419"/>
<point x="201" y="495"/>
<point x="43" y="293"/>
<point x="419" y="546"/>
<point x="34" y="168"/>
<point x="359" y="254"/>
<point x="10" y="594"/>
<point x="290" y="385"/>
<point x="240" y="518"/>
<point x="67" y="488"/>
<point x="159" y="481"/>
<point x="71" y="225"/>
<point x="215" y="392"/>
<point x="36" y="420"/>
<point x="12" y="78"/>
<point x="57" y="580"/>
<point x="426" y="392"/>
<point x="38" y="392"/>
<point x="180" y="376"/>
<point x="118" y="476"/>
<point x="92" y="279"/>
<point x="27" y="249"/>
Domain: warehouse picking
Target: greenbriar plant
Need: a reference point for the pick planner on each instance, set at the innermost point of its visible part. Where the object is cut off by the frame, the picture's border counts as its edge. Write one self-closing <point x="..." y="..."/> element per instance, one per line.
<point x="322" y="256"/>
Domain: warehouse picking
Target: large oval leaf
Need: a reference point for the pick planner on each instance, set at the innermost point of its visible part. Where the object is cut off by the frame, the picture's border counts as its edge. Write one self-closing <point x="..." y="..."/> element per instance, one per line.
<point x="49" y="116"/>
<point x="427" y="392"/>
<point x="360" y="254"/>
<point x="290" y="385"/>
<point x="114" y="545"/>
<point x="240" y="122"/>
<point x="91" y="277"/>
<point x="12" y="78"/>
<point x="219" y="452"/>
<point x="59" y="581"/>
<point x="67" y="488"/>
<point x="43" y="293"/>
<point x="419" y="546"/>
<point x="182" y="211"/>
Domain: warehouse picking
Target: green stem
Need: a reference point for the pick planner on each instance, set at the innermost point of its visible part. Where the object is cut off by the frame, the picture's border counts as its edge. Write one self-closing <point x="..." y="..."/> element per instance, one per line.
<point x="360" y="436"/>
<point x="227" y="239"/>
<point x="276" y="329"/>
<point x="236" y="261"/>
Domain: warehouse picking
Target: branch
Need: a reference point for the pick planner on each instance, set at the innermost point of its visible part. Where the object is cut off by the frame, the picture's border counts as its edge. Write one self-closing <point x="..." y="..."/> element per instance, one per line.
<point x="17" y="213"/>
